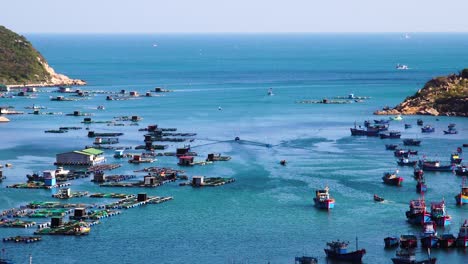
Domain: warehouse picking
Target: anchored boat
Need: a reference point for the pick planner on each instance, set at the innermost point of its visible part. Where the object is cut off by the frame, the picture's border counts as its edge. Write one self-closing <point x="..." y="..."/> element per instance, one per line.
<point x="462" y="197"/>
<point x="322" y="199"/>
<point x="417" y="214"/>
<point x="462" y="239"/>
<point x="392" y="179"/>
<point x="429" y="237"/>
<point x="339" y="250"/>
<point x="439" y="214"/>
<point x="409" y="257"/>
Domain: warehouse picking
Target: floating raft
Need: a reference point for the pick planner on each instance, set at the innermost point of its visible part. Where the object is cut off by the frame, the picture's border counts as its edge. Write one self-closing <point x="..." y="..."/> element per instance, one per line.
<point x="116" y="178"/>
<point x="56" y="131"/>
<point x="16" y="223"/>
<point x="72" y="195"/>
<point x="36" y="185"/>
<point x="37" y="205"/>
<point x="49" y="212"/>
<point x="108" y="134"/>
<point x="70" y="128"/>
<point x="23" y="239"/>
<point x="140" y="184"/>
<point x="209" y="182"/>
<point x="133" y="202"/>
<point x="96" y="215"/>
<point x="67" y="229"/>
<point x="112" y="195"/>
<point x="108" y="147"/>
<point x="102" y="167"/>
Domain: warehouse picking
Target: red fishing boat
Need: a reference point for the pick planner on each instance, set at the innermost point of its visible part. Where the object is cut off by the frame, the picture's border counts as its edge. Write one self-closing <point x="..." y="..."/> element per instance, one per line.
<point x="392" y="179"/>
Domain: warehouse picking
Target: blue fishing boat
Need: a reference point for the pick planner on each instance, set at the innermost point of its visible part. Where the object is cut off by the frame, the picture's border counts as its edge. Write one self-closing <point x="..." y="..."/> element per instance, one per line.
<point x="408" y="241"/>
<point x="391" y="242"/>
<point x="339" y="250"/>
<point x="390" y="134"/>
<point x="462" y="197"/>
<point x="455" y="158"/>
<point x="407" y="256"/>
<point x="411" y="142"/>
<point x="427" y="129"/>
<point x="434" y="166"/>
<point x="421" y="186"/>
<point x="420" y="122"/>
<point x="429" y="237"/>
<point x="462" y="238"/>
<point x="417" y="214"/>
<point x="439" y="214"/>
<point x="382" y="121"/>
<point x="407" y="162"/>
<point x="323" y="200"/>
<point x="305" y="260"/>
<point x="447" y="241"/>
<point x="408" y="126"/>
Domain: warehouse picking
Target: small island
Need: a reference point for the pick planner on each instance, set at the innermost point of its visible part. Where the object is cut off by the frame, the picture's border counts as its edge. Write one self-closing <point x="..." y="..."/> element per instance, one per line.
<point x="446" y="95"/>
<point x="21" y="65"/>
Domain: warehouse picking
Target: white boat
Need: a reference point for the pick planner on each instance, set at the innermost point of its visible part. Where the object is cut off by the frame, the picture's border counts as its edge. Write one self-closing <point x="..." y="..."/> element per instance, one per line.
<point x="270" y="92"/>
<point x="396" y="118"/>
<point x="402" y="67"/>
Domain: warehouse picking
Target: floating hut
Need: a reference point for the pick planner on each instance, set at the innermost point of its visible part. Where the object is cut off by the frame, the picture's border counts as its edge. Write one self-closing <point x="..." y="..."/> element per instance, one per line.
<point x="87" y="157"/>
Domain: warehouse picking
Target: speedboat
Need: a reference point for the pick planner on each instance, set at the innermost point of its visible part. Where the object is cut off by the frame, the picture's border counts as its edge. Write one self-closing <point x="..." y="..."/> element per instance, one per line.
<point x="396" y="118"/>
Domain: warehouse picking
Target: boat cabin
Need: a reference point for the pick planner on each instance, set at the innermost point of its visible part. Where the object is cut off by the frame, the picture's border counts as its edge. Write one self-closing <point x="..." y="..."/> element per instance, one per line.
<point x="185" y="160"/>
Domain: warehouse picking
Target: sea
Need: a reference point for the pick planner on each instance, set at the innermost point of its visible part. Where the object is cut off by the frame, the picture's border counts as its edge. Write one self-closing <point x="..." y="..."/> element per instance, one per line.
<point x="220" y="86"/>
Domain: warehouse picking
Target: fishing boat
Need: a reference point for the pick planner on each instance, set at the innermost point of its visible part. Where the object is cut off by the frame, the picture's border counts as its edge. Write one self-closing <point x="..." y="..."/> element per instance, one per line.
<point x="455" y="158"/>
<point x="392" y="179"/>
<point x="461" y="171"/>
<point x="417" y="214"/>
<point x="339" y="250"/>
<point x="401" y="153"/>
<point x="396" y="118"/>
<point x="452" y="131"/>
<point x="270" y="92"/>
<point x="323" y="200"/>
<point x="420" y="122"/>
<point x="391" y="242"/>
<point x="418" y="173"/>
<point x="391" y="147"/>
<point x="378" y="198"/>
<point x="411" y="142"/>
<point x="429" y="237"/>
<point x="439" y="214"/>
<point x="421" y="186"/>
<point x="427" y="129"/>
<point x="391" y="134"/>
<point x="305" y="260"/>
<point x="406" y="162"/>
<point x="408" y="241"/>
<point x="381" y="121"/>
<point x="462" y="197"/>
<point x="447" y="241"/>
<point x="409" y="257"/>
<point x="408" y="126"/>
<point x="462" y="238"/>
<point x="434" y="166"/>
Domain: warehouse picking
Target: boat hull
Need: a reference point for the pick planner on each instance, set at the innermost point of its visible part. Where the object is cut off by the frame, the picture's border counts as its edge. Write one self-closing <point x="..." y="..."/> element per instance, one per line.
<point x="405" y="261"/>
<point x="395" y="181"/>
<point x="355" y="256"/>
<point x="461" y="199"/>
<point x="462" y="242"/>
<point x="326" y="205"/>
<point x="447" y="168"/>
<point x="391" y="242"/>
<point x="418" y="219"/>
<point x="430" y="241"/>
<point x="442" y="221"/>
<point x="447" y="242"/>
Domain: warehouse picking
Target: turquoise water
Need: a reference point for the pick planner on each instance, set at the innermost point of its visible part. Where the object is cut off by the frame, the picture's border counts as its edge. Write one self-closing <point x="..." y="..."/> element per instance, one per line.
<point x="267" y="215"/>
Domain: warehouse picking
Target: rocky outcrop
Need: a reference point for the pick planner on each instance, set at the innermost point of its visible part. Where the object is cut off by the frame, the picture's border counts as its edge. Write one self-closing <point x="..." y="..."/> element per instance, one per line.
<point x="446" y="95"/>
<point x="22" y="65"/>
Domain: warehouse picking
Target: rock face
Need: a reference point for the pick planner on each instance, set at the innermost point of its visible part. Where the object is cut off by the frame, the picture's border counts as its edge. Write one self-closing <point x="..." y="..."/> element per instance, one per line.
<point x="446" y="95"/>
<point x="22" y="65"/>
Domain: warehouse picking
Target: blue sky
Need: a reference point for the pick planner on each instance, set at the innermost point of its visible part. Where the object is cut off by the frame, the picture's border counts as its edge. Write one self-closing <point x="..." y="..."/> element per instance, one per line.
<point x="193" y="16"/>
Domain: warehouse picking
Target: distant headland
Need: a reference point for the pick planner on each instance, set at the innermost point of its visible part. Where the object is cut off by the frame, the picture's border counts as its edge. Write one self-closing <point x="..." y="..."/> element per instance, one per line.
<point x="21" y="65"/>
<point x="446" y="95"/>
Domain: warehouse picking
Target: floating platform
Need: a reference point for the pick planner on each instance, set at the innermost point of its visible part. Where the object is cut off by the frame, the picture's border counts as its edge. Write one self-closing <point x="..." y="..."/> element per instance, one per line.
<point x="92" y="134"/>
<point x="16" y="223"/>
<point x="133" y="202"/>
<point x="114" y="178"/>
<point x="140" y="184"/>
<point x="102" y="167"/>
<point x="56" y="131"/>
<point x="208" y="182"/>
<point x="37" y="185"/>
<point x="96" y="215"/>
<point x="61" y="195"/>
<point x="112" y="195"/>
<point x="68" y="229"/>
<point x="49" y="212"/>
<point x="23" y="239"/>
<point x="109" y="147"/>
<point x="41" y="205"/>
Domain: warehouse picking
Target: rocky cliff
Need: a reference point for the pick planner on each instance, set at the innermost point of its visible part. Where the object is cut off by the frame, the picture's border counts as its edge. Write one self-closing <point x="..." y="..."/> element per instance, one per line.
<point x="22" y="65"/>
<point x="447" y="95"/>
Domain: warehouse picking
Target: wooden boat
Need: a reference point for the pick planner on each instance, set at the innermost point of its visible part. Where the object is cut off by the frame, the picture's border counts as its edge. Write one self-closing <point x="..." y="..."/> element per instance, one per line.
<point x="408" y="126"/>
<point x="392" y="179"/>
<point x="391" y="134"/>
<point x="364" y="132"/>
<point x="417" y="214"/>
<point x="462" y="238"/>
<point x="418" y="173"/>
<point x="406" y="162"/>
<point x="391" y="147"/>
<point x="419" y="122"/>
<point x="411" y="142"/>
<point x="409" y="257"/>
<point x="323" y="200"/>
<point x="378" y="198"/>
<point x="447" y="241"/>
<point x="391" y="242"/>
<point x="450" y="132"/>
<point x="439" y="214"/>
<point x="434" y="166"/>
<point x="462" y="197"/>
<point x="381" y="121"/>
<point x="427" y="129"/>
<point x="461" y="171"/>
<point x="421" y="186"/>
<point x="408" y="241"/>
<point x="429" y="237"/>
<point x="305" y="260"/>
<point x="339" y="250"/>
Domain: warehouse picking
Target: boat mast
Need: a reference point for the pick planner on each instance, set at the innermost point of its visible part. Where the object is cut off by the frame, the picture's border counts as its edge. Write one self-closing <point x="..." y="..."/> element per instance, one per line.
<point x="356" y="243"/>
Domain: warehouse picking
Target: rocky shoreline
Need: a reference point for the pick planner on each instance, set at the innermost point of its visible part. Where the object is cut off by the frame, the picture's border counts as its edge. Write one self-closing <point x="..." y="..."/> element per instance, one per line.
<point x="447" y="95"/>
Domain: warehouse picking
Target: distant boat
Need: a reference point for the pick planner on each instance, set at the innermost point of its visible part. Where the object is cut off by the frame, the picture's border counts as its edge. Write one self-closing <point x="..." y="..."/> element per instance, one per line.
<point x="270" y="92"/>
<point x="462" y="197"/>
<point x="378" y="198"/>
<point x="402" y="67"/>
<point x="155" y="45"/>
<point x="305" y="260"/>
<point x="392" y="179"/>
<point x="391" y="242"/>
<point x="323" y="200"/>
<point x="407" y="36"/>
<point x="462" y="239"/>
<point x="396" y="118"/>
<point x="339" y="250"/>
<point x="427" y="129"/>
<point x="429" y="237"/>
<point x="408" y="257"/>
